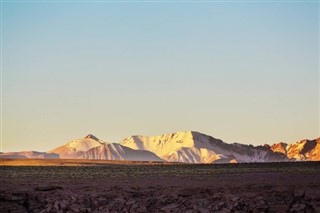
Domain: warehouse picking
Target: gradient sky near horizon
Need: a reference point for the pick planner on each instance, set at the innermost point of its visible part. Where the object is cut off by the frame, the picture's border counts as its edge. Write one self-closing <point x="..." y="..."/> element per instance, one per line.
<point x="243" y="72"/>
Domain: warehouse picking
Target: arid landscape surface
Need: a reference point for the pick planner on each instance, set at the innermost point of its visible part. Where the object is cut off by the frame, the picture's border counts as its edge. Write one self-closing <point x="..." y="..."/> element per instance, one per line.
<point x="56" y="185"/>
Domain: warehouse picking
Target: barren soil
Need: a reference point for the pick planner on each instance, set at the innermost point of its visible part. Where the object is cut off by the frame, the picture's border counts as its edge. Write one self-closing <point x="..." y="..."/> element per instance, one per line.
<point x="108" y="186"/>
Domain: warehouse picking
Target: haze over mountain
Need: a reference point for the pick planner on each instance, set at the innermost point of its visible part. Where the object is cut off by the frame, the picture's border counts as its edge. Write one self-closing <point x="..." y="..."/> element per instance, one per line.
<point x="186" y="147"/>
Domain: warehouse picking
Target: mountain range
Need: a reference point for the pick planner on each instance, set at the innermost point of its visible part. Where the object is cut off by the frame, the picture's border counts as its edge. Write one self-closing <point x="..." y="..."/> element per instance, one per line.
<point x="185" y="147"/>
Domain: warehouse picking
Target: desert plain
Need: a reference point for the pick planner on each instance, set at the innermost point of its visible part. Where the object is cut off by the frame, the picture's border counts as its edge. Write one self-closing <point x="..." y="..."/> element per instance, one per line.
<point x="60" y="185"/>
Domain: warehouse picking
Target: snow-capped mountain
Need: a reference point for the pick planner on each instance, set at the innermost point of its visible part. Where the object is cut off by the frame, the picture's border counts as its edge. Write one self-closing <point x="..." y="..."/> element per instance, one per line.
<point x="187" y="147"/>
<point x="115" y="151"/>
<point x="194" y="147"/>
<point x="301" y="150"/>
<point x="28" y="154"/>
<point x="76" y="148"/>
<point x="90" y="147"/>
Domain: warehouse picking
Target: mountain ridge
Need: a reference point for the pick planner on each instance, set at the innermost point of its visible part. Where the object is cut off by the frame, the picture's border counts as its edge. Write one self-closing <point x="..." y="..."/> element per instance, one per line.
<point x="182" y="146"/>
<point x="195" y="147"/>
<point x="115" y="151"/>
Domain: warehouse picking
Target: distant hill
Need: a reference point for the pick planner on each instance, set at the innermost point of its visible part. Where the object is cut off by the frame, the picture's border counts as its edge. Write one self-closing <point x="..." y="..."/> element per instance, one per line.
<point x="28" y="154"/>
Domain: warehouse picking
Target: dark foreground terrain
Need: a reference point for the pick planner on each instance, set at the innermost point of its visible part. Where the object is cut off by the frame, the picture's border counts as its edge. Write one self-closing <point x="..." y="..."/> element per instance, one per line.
<point x="106" y="186"/>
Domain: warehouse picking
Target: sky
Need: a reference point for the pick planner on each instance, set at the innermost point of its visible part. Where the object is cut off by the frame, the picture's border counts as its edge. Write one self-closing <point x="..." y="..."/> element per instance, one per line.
<point x="244" y="72"/>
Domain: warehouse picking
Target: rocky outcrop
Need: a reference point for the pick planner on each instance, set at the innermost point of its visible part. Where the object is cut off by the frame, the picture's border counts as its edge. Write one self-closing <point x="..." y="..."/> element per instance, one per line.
<point x="301" y="150"/>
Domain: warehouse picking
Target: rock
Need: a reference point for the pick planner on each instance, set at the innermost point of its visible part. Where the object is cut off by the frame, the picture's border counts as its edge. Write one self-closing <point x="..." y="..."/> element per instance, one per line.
<point x="56" y="205"/>
<point x="235" y="198"/>
<point x="299" y="193"/>
<point x="221" y="204"/>
<point x="143" y="209"/>
<point x="263" y="207"/>
<point x="63" y="204"/>
<point x="95" y="203"/>
<point x="203" y="210"/>
<point x="74" y="208"/>
<point x="279" y="208"/>
<point x="317" y="209"/>
<point x="229" y="205"/>
<point x="9" y="206"/>
<point x="17" y="196"/>
<point x="50" y="207"/>
<point x="130" y="202"/>
<point x="225" y="210"/>
<point x="135" y="206"/>
<point x="169" y="207"/>
<point x="120" y="200"/>
<point x="215" y="208"/>
<point x="83" y="209"/>
<point x="259" y="198"/>
<point x="33" y="204"/>
<point x="313" y="194"/>
<point x="302" y="206"/>
<point x="194" y="206"/>
<point x="101" y="201"/>
<point x="298" y="207"/>
<point x="235" y="204"/>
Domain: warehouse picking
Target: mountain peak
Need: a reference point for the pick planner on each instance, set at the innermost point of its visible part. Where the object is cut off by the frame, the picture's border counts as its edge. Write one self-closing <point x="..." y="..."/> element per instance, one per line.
<point x="90" y="136"/>
<point x="115" y="151"/>
<point x="74" y="148"/>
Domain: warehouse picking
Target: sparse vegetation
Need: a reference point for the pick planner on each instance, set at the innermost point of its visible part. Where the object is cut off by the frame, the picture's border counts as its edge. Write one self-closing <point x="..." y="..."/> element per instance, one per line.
<point x="95" y="168"/>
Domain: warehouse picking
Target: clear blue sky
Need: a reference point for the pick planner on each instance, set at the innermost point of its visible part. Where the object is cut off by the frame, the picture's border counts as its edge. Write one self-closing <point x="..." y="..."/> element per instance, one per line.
<point x="242" y="72"/>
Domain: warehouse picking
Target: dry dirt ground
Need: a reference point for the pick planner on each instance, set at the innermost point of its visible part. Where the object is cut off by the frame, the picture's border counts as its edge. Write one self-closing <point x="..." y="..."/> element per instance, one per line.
<point x="113" y="186"/>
